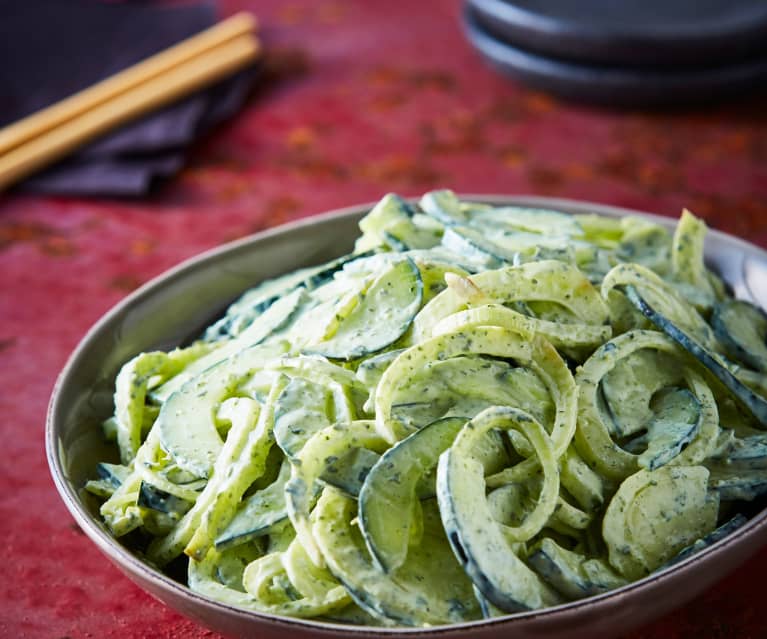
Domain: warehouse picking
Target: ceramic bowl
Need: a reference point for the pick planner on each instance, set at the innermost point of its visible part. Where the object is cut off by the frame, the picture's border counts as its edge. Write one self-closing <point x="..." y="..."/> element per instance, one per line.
<point x="176" y="305"/>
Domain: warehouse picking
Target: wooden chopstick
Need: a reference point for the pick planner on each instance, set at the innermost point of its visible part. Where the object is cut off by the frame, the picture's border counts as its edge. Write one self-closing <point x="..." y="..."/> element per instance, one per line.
<point x="149" y="85"/>
<point x="47" y="118"/>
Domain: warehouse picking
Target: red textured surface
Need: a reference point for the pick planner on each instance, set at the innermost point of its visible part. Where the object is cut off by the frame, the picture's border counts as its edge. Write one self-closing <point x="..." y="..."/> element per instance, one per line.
<point x="361" y="98"/>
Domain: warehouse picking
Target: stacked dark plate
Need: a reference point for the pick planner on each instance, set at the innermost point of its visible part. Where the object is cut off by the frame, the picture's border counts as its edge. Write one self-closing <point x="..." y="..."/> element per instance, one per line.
<point x="626" y="52"/>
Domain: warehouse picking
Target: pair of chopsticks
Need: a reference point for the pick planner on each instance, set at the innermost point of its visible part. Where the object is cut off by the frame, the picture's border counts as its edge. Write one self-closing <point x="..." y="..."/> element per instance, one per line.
<point x="53" y="132"/>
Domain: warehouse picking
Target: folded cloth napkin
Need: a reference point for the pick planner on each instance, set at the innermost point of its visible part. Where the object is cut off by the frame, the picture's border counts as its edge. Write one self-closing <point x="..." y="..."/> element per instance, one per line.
<point x="50" y="49"/>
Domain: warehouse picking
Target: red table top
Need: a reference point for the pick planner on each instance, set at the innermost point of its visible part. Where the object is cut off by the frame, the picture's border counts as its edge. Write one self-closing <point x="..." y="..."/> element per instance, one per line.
<point x="359" y="99"/>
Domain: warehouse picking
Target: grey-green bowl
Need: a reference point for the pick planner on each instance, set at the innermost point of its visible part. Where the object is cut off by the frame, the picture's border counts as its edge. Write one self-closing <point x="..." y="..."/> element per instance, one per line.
<point x="176" y="305"/>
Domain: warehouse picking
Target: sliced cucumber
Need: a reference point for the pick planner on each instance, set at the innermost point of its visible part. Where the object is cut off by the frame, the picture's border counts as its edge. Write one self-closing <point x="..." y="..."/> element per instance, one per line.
<point x="480" y="544"/>
<point x="542" y="221"/>
<point x="115" y="474"/>
<point x="433" y="274"/>
<point x="274" y="318"/>
<point x="382" y="317"/>
<point x="347" y="473"/>
<point x="353" y="615"/>
<point x="443" y="206"/>
<point x="387" y="498"/>
<point x="661" y="296"/>
<point x="677" y="420"/>
<point x="593" y="436"/>
<point x="744" y="454"/>
<point x="428" y="589"/>
<point x="370" y="370"/>
<point x="255" y="301"/>
<point x="580" y="480"/>
<point x="242" y="461"/>
<point x="630" y="385"/>
<point x="537" y="354"/>
<point x="475" y="246"/>
<point x="156" y="499"/>
<point x="742" y="329"/>
<point x="572" y="574"/>
<point x="186" y="425"/>
<point x="269" y="588"/>
<point x="646" y="243"/>
<point x="489" y="611"/>
<point x="754" y="403"/>
<point x="131" y="388"/>
<point x="734" y="485"/>
<point x="328" y="444"/>
<point x="257" y="514"/>
<point x="720" y="533"/>
<point x="392" y="222"/>
<point x="111" y="477"/>
<point x="656" y="514"/>
<point x="302" y="409"/>
<point x="466" y="385"/>
<point x="687" y="267"/>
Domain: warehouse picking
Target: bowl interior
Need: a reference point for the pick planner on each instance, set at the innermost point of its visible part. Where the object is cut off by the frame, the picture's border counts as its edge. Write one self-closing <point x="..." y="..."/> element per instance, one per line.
<point x="174" y="308"/>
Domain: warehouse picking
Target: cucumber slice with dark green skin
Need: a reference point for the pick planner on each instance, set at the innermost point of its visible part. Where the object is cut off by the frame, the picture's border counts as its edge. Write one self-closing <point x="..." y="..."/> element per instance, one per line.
<point x="257" y="514"/>
<point x="255" y="301"/>
<point x="748" y="453"/>
<point x="428" y="589"/>
<point x="347" y="473"/>
<point x="488" y="609"/>
<point x="252" y="304"/>
<point x="465" y="386"/>
<point x="734" y="485"/>
<point x="302" y="409"/>
<point x="156" y="499"/>
<point x="111" y="477"/>
<point x="472" y="244"/>
<point x="482" y="545"/>
<point x="186" y="423"/>
<point x="676" y="422"/>
<point x="115" y="474"/>
<point x="381" y="318"/>
<point x="501" y="247"/>
<point x="572" y="574"/>
<point x="273" y="319"/>
<point x="742" y="329"/>
<point x="301" y="490"/>
<point x="720" y="533"/>
<point x="443" y="206"/>
<point x="632" y="382"/>
<point x="391" y="222"/>
<point x="755" y="404"/>
<point x="387" y="497"/>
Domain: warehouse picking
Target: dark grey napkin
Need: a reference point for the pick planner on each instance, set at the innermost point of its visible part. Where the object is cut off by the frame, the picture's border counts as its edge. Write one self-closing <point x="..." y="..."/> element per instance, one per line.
<point x="50" y="49"/>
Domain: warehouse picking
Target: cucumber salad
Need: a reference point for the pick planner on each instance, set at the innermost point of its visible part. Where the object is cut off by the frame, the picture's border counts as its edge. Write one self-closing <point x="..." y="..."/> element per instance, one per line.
<point x="481" y="410"/>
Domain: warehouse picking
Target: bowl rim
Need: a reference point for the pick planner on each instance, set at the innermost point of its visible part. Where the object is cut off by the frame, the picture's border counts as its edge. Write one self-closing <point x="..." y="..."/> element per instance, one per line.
<point x="129" y="563"/>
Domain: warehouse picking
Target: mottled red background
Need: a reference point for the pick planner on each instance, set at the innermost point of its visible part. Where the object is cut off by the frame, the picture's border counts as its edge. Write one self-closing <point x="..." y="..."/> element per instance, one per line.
<point x="358" y="98"/>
